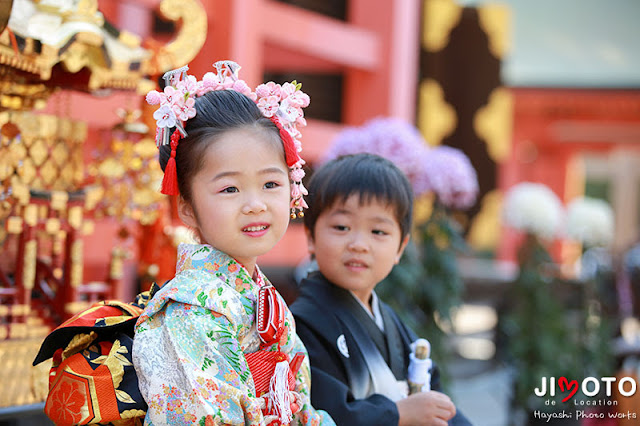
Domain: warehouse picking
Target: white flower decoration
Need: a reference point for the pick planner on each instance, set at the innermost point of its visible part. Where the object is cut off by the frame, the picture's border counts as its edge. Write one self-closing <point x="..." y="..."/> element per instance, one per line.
<point x="590" y="221"/>
<point x="534" y="208"/>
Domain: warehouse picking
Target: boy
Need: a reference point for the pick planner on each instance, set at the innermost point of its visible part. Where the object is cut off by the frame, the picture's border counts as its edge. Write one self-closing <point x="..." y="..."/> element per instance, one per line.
<point x="357" y="227"/>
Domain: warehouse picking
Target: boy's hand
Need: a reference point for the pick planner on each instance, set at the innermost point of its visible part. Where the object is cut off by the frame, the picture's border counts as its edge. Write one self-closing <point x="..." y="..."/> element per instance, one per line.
<point x="425" y="409"/>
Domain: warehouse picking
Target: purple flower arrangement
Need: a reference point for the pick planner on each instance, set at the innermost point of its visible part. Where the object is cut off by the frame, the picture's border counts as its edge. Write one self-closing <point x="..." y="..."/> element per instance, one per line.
<point x="443" y="171"/>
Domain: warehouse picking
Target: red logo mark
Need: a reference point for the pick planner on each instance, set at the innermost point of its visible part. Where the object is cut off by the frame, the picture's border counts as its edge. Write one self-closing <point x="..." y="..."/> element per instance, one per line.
<point x="570" y="386"/>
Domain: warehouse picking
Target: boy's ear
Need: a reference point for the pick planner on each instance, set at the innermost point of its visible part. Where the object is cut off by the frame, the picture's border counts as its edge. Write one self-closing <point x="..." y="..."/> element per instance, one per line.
<point x="311" y="245"/>
<point x="403" y="245"/>
<point x="186" y="214"/>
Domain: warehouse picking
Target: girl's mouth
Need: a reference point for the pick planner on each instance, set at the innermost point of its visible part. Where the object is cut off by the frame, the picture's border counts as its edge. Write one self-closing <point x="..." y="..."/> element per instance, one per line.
<point x="255" y="230"/>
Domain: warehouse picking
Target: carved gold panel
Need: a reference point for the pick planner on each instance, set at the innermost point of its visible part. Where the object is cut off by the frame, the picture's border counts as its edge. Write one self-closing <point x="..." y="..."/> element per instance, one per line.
<point x="36" y="183"/>
<point x="60" y="154"/>
<point x="30" y="215"/>
<point x="439" y="18"/>
<point x="494" y="123"/>
<point x="18" y="153"/>
<point x="65" y="179"/>
<point x="6" y="166"/>
<point x="48" y="174"/>
<point x="52" y="226"/>
<point x="74" y="217"/>
<point x="76" y="263"/>
<point x="29" y="269"/>
<point x="437" y="119"/>
<point x="59" y="200"/>
<point x="39" y="151"/>
<point x="484" y="232"/>
<point x="495" y="20"/>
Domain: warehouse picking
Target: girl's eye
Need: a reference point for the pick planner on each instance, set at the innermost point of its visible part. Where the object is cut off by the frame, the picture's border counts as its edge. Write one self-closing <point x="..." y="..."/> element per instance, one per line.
<point x="270" y="185"/>
<point x="340" y="228"/>
<point x="378" y="232"/>
<point x="230" y="189"/>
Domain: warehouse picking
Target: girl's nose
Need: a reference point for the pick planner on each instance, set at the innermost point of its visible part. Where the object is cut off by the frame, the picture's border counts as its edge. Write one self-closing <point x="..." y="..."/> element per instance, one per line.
<point x="253" y="205"/>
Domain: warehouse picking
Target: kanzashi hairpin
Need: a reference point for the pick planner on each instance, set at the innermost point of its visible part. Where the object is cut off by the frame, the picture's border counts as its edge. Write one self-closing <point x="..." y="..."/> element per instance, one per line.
<point x="282" y="104"/>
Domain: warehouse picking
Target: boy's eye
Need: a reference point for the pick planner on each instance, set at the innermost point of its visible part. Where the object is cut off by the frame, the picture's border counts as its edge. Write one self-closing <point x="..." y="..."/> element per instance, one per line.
<point x="270" y="185"/>
<point x="230" y="189"/>
<point x="340" y="228"/>
<point x="379" y="232"/>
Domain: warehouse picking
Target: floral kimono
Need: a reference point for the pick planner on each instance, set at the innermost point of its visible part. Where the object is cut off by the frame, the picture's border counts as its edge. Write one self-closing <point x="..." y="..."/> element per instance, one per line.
<point x="190" y="343"/>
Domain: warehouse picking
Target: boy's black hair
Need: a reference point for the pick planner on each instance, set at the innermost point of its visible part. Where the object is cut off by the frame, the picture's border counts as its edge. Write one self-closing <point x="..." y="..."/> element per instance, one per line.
<point x="369" y="176"/>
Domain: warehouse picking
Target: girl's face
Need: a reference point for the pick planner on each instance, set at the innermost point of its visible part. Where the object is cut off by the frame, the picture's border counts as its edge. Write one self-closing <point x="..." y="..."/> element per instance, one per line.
<point x="240" y="196"/>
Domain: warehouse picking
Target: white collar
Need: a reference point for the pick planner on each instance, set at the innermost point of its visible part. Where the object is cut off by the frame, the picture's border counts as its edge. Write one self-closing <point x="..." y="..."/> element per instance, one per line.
<point x="374" y="312"/>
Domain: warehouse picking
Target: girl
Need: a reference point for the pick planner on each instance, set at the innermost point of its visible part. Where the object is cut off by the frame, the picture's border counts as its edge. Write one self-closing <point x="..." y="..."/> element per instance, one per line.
<point x="217" y="344"/>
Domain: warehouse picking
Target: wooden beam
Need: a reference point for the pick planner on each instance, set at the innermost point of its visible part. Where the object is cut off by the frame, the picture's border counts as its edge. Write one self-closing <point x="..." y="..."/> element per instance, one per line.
<point x="320" y="36"/>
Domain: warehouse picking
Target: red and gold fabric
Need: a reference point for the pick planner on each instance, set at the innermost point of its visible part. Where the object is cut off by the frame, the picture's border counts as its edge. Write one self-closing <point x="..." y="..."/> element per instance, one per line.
<point x="92" y="379"/>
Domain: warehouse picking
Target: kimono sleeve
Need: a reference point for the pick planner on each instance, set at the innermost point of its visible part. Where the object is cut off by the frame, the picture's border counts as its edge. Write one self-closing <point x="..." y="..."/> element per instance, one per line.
<point x="192" y="369"/>
<point x="307" y="416"/>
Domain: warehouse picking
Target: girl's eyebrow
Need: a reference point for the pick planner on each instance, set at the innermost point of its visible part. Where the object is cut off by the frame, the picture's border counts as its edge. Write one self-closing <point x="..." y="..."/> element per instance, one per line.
<point x="262" y="172"/>
<point x="272" y="170"/>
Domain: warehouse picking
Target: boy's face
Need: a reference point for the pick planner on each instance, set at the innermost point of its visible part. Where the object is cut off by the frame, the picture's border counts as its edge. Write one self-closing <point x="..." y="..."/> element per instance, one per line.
<point x="357" y="245"/>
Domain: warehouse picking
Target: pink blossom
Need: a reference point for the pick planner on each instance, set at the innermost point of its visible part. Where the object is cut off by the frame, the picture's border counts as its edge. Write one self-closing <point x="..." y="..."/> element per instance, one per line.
<point x="296" y="175"/>
<point x="184" y="110"/>
<point x="269" y="89"/>
<point x="226" y="83"/>
<point x="448" y="173"/>
<point x="268" y="105"/>
<point x="189" y="86"/>
<point x="154" y="97"/>
<point x="170" y="94"/>
<point x="288" y="89"/>
<point x="242" y="87"/>
<point x="299" y="99"/>
<point x="165" y="117"/>
<point x="207" y="84"/>
<point x="290" y="111"/>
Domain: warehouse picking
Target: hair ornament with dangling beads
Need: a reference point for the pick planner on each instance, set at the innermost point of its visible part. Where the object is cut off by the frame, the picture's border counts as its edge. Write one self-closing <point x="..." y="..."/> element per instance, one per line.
<point x="282" y="104"/>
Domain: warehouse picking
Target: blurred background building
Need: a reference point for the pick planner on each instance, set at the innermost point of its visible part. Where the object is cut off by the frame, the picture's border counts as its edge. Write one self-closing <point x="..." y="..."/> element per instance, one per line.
<point x="544" y="91"/>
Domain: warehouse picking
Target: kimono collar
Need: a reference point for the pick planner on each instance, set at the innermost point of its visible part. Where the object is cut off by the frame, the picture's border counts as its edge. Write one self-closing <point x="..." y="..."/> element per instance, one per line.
<point x="208" y="258"/>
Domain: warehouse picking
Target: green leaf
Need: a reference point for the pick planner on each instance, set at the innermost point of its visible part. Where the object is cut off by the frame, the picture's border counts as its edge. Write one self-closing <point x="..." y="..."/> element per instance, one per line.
<point x="202" y="297"/>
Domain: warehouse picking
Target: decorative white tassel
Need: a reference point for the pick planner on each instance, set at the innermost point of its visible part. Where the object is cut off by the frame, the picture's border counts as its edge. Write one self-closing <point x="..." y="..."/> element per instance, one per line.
<point x="279" y="392"/>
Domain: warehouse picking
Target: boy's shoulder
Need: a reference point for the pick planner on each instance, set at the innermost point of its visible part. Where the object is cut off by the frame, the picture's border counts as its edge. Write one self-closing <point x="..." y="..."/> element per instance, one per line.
<point x="315" y="305"/>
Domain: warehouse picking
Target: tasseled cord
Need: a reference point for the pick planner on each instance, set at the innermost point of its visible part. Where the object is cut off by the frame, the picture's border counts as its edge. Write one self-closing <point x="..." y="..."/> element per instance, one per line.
<point x="279" y="392"/>
<point x="170" y="179"/>
<point x="290" y="152"/>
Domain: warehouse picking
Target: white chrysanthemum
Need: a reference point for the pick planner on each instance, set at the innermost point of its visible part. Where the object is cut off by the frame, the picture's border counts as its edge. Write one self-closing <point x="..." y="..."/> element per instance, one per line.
<point x="590" y="221"/>
<point x="534" y="208"/>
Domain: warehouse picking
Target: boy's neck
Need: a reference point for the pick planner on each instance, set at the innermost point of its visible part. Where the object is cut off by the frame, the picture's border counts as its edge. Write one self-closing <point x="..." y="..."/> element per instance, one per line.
<point x="365" y="298"/>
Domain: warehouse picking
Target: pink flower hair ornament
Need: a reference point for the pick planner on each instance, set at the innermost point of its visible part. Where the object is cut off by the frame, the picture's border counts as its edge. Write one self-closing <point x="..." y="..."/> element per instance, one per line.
<point x="282" y="104"/>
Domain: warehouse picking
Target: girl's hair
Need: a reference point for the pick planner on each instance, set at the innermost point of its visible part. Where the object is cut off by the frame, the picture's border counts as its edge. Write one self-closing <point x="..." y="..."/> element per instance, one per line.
<point x="368" y="176"/>
<point x="217" y="112"/>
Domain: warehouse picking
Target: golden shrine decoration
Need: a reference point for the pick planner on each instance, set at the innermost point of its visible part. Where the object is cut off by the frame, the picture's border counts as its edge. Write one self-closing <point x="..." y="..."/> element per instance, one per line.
<point x="494" y="124"/>
<point x="495" y="20"/>
<point x="437" y="119"/>
<point x="129" y="175"/>
<point x="44" y="43"/>
<point x="439" y="18"/>
<point x="44" y="152"/>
